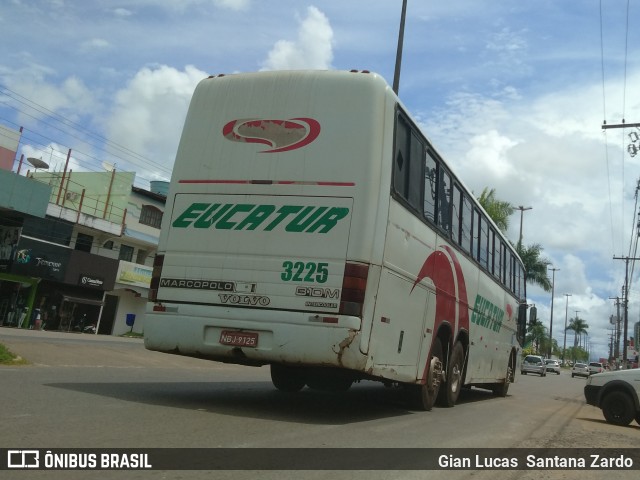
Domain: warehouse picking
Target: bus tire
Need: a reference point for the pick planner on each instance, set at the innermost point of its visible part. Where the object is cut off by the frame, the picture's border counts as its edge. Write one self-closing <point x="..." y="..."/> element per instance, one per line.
<point x="423" y="397"/>
<point x="501" y="389"/>
<point x="287" y="379"/>
<point x="450" y="390"/>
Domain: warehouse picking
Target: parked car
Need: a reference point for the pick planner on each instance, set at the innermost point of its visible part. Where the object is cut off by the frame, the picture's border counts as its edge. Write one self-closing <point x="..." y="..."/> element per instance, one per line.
<point x="533" y="364"/>
<point x="552" y="366"/>
<point x="617" y="393"/>
<point x="579" y="370"/>
<point x="595" y="367"/>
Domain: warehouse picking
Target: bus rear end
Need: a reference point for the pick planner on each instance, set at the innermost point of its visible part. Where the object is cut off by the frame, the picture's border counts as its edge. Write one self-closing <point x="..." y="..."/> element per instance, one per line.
<point x="265" y="248"/>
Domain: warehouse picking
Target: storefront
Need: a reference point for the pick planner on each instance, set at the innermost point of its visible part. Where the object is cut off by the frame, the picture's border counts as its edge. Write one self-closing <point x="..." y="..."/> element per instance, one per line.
<point x="71" y="285"/>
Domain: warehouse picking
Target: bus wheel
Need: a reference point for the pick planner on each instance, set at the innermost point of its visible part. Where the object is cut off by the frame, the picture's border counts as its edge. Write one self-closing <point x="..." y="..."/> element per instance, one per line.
<point x="501" y="389"/>
<point x="450" y="390"/>
<point x="424" y="396"/>
<point x="287" y="379"/>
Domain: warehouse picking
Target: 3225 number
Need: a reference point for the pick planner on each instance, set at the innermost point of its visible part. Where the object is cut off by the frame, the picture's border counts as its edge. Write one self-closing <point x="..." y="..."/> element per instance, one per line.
<point x="310" y="272"/>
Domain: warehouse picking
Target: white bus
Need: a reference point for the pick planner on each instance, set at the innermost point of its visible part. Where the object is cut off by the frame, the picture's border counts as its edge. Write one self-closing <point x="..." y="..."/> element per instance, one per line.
<point x="311" y="226"/>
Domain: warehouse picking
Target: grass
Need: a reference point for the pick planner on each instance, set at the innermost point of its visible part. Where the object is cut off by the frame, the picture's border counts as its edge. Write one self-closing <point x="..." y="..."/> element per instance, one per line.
<point x="7" y="357"/>
<point x="132" y="335"/>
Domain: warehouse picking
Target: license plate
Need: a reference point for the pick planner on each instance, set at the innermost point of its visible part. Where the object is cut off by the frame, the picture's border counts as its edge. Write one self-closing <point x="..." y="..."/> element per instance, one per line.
<point x="239" y="339"/>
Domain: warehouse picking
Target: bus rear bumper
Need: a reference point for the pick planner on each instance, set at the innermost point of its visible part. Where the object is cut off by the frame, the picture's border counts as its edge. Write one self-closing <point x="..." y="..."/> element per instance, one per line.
<point x="261" y="336"/>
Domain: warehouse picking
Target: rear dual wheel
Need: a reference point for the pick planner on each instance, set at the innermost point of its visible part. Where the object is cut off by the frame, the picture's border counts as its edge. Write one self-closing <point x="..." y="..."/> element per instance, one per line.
<point x="451" y="387"/>
<point x="423" y="397"/>
<point x="501" y="389"/>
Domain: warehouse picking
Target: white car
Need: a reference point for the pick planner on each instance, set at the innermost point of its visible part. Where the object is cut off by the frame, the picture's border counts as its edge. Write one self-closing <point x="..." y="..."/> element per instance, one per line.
<point x="617" y="393"/>
<point x="553" y="366"/>
<point x="595" y="367"/>
<point x="533" y="364"/>
<point x="579" y="370"/>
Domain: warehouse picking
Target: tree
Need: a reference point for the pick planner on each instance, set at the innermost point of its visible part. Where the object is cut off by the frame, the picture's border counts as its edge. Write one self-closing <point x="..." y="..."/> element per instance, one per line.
<point x="498" y="210"/>
<point x="579" y="328"/>
<point x="537" y="336"/>
<point x="535" y="266"/>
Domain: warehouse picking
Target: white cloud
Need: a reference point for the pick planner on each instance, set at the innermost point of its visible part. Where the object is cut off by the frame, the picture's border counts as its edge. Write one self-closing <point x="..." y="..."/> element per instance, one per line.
<point x="94" y="44"/>
<point x="233" y="4"/>
<point x="313" y="49"/>
<point x="149" y="112"/>
<point x="37" y="97"/>
<point x="122" y="12"/>
<point x="54" y="154"/>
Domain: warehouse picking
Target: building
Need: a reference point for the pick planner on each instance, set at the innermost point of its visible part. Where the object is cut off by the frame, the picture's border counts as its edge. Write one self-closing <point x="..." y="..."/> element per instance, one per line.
<point x="77" y="250"/>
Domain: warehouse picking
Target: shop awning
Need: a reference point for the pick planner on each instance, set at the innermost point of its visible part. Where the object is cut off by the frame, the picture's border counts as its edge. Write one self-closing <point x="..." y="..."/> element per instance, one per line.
<point x="86" y="301"/>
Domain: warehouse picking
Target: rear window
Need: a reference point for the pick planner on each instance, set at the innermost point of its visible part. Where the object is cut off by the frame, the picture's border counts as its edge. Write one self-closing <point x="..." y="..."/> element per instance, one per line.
<point x="533" y="360"/>
<point x="580" y="365"/>
<point x="595" y="364"/>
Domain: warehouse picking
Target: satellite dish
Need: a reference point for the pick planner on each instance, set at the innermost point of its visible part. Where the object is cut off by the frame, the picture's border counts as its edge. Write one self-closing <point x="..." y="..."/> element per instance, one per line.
<point x="38" y="163"/>
<point x="109" y="167"/>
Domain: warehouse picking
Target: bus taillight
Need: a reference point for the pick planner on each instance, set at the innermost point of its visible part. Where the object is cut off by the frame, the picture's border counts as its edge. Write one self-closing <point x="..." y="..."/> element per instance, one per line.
<point x="155" y="277"/>
<point x="354" y="285"/>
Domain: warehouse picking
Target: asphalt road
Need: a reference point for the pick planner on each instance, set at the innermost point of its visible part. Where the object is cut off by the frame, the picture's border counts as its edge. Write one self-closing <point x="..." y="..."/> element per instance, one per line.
<point x="87" y="391"/>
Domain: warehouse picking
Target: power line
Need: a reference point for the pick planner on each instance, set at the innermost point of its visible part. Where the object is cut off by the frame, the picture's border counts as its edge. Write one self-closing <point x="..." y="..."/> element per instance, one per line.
<point x="69" y="127"/>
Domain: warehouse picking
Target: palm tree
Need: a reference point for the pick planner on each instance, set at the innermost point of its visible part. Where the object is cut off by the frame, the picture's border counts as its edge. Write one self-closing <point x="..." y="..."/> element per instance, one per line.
<point x="534" y="265"/>
<point x="579" y="328"/>
<point x="498" y="210"/>
<point x="537" y="335"/>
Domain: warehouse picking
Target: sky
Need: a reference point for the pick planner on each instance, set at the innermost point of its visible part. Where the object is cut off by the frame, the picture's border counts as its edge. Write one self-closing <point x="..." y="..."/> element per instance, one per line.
<point x="512" y="93"/>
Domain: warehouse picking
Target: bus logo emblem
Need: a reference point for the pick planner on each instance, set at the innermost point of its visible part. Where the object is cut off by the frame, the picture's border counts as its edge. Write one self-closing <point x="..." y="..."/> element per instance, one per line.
<point x="279" y="135"/>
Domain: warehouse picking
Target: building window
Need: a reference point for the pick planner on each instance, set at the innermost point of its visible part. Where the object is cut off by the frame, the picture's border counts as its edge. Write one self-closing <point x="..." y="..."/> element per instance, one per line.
<point x="83" y="242"/>
<point x="141" y="257"/>
<point x="126" y="253"/>
<point x="151" y="216"/>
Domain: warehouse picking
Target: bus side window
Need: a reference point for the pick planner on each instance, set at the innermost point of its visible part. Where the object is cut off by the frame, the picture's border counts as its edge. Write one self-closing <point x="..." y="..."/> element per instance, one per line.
<point x="512" y="273"/>
<point x="407" y="167"/>
<point x="456" y="215"/>
<point x="467" y="225"/>
<point x="497" y="257"/>
<point x="401" y="161"/>
<point x="444" y="200"/>
<point x="430" y="186"/>
<point x="521" y="283"/>
<point x="475" y="236"/>
<point x="415" y="171"/>
<point x="484" y="243"/>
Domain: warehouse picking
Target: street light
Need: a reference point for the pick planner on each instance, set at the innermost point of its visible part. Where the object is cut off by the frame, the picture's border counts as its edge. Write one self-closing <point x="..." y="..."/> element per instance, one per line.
<point x="553" y="282"/>
<point x="566" y="315"/>
<point x="522" y="209"/>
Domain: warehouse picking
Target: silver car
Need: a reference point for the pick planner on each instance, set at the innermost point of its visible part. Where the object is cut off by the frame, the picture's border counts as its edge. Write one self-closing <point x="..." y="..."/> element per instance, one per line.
<point x="533" y="364"/>
<point x="553" y="366"/>
<point x="579" y="370"/>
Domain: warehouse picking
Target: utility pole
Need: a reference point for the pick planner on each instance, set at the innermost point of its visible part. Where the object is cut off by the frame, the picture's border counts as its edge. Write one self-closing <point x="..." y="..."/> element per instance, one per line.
<point x="522" y="209"/>
<point x="626" y="306"/>
<point x="620" y="125"/>
<point x="616" y="344"/>
<point x="575" y="339"/>
<point x="633" y="148"/>
<point x="396" y="75"/>
<point x="566" y="315"/>
<point x="553" y="283"/>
